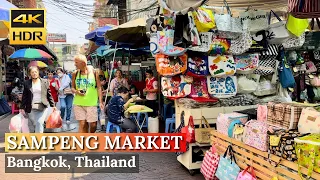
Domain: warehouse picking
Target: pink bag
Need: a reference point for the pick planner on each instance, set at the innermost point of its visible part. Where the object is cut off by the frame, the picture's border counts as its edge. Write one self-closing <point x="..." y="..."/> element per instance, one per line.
<point x="262" y="112"/>
<point x="19" y="124"/>
<point x="256" y="134"/>
<point x="224" y="121"/>
<point x="246" y="175"/>
<point x="199" y="89"/>
<point x="315" y="82"/>
<point x="54" y="120"/>
<point x="210" y="164"/>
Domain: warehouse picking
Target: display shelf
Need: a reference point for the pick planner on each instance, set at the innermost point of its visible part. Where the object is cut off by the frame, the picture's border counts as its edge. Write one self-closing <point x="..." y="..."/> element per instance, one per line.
<point x="211" y="114"/>
<point x="263" y="166"/>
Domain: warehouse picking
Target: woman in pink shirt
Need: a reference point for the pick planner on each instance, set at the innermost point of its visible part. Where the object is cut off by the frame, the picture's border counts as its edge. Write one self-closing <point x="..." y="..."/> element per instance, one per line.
<point x="117" y="82"/>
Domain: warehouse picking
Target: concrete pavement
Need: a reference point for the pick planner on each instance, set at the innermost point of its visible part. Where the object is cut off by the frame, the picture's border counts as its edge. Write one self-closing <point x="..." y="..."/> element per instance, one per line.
<point x="157" y="166"/>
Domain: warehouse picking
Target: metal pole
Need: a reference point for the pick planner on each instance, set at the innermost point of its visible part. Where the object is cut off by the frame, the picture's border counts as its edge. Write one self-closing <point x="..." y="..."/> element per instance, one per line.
<point x="110" y="72"/>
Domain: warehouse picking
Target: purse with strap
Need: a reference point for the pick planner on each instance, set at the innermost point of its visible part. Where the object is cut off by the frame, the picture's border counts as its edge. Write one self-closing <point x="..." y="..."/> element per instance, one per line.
<point x="189" y="130"/>
<point x="210" y="163"/>
<point x="203" y="134"/>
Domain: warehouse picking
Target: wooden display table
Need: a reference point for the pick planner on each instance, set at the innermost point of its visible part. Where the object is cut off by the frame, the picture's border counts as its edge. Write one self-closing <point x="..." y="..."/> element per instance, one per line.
<point x="246" y="155"/>
<point x="211" y="115"/>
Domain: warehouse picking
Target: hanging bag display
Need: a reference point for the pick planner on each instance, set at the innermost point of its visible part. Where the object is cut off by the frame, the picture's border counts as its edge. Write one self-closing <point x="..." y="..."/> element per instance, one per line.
<point x="206" y="39"/>
<point x="247" y="174"/>
<point x="228" y="168"/>
<point x="204" y="19"/>
<point x="175" y="87"/>
<point x="224" y="87"/>
<point x="296" y="26"/>
<point x="254" y="20"/>
<point x="259" y="42"/>
<point x="309" y="121"/>
<point x="285" y="74"/>
<point x="210" y="164"/>
<point x="199" y="90"/>
<point x="178" y="130"/>
<point x="203" y="134"/>
<point x="241" y="44"/>
<point x="221" y="65"/>
<point x="277" y="32"/>
<point x="304" y="8"/>
<point x="308" y="153"/>
<point x="219" y="46"/>
<point x="246" y="64"/>
<point x="170" y="66"/>
<point x="189" y="131"/>
<point x="198" y="66"/>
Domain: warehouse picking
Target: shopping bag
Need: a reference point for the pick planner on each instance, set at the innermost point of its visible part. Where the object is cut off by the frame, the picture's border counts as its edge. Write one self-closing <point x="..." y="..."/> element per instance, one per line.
<point x="24" y="124"/>
<point x="202" y="135"/>
<point x="296" y="26"/>
<point x="247" y="174"/>
<point x="254" y="20"/>
<point x="228" y="168"/>
<point x="309" y="121"/>
<point x="54" y="120"/>
<point x="277" y="32"/>
<point x="189" y="131"/>
<point x="210" y="164"/>
<point x="15" y="124"/>
<point x="204" y="19"/>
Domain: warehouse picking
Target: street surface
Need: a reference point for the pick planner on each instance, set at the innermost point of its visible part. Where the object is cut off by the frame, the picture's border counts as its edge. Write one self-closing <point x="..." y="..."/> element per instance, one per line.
<point x="157" y="166"/>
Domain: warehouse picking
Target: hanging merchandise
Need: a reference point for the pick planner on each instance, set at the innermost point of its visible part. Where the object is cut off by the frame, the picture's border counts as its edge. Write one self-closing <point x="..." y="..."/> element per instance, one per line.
<point x="223" y="87"/>
<point x="241" y="44"/>
<point x="189" y="131"/>
<point x="315" y="81"/>
<point x="246" y="86"/>
<point x="197" y="66"/>
<point x="169" y="18"/>
<point x="199" y="90"/>
<point x="256" y="134"/>
<point x="170" y="66"/>
<point x="195" y="39"/>
<point x="203" y="134"/>
<point x="294" y="42"/>
<point x="311" y="68"/>
<point x="206" y="39"/>
<point x="276" y="32"/>
<point x="312" y="37"/>
<point x="228" y="26"/>
<point x="165" y="41"/>
<point x="204" y="19"/>
<point x="254" y="20"/>
<point x="221" y="65"/>
<point x="296" y="26"/>
<point x="304" y="8"/>
<point x="228" y="168"/>
<point x="154" y="46"/>
<point x="285" y="74"/>
<point x="266" y="66"/>
<point x="247" y="174"/>
<point x="309" y="121"/>
<point x="178" y="130"/>
<point x="265" y="87"/>
<point x="175" y="87"/>
<point x="246" y="64"/>
<point x="219" y="46"/>
<point x="210" y="164"/>
<point x="262" y="112"/>
<point x="259" y="42"/>
<point x="225" y="121"/>
<point x="308" y="153"/>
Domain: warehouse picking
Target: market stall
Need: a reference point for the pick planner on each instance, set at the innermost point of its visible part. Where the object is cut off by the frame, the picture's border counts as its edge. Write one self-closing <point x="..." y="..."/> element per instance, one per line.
<point x="252" y="77"/>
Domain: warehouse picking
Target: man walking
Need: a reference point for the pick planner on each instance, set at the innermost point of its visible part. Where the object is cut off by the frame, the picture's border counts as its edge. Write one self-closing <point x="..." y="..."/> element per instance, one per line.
<point x="151" y="91"/>
<point x="87" y="89"/>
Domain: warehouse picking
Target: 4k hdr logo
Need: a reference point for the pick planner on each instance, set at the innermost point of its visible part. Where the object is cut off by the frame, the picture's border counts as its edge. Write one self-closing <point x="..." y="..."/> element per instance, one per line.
<point x="27" y="26"/>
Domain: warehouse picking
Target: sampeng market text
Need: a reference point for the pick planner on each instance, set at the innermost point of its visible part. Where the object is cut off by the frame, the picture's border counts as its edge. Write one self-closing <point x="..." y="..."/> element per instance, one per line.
<point x="96" y="142"/>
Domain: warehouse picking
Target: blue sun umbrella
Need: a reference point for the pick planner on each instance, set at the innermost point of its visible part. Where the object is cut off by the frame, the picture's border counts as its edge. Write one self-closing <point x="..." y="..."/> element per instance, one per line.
<point x="97" y="35"/>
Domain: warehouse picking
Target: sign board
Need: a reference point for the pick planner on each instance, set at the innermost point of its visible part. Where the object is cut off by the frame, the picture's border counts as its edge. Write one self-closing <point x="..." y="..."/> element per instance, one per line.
<point x="56" y="37"/>
<point x="28" y="26"/>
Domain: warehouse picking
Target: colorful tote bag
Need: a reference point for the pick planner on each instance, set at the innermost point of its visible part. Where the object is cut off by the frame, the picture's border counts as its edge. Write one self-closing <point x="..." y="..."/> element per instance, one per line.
<point x="308" y="153"/>
<point x="247" y="174"/>
<point x="246" y="64"/>
<point x="309" y="121"/>
<point x="210" y="164"/>
<point x="224" y="87"/>
<point x="175" y="87"/>
<point x="221" y="65"/>
<point x="228" y="168"/>
<point x="224" y="121"/>
<point x="197" y="66"/>
<point x="256" y="134"/>
<point x="219" y="46"/>
<point x="282" y="143"/>
<point x="170" y="66"/>
<point x="199" y="89"/>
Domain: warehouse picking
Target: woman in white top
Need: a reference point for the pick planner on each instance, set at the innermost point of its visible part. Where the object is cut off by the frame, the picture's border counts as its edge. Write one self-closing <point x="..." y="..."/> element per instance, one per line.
<point x="118" y="82"/>
<point x="36" y="99"/>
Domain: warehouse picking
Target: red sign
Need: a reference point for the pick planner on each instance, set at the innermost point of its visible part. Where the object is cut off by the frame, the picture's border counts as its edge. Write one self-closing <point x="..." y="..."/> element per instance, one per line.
<point x="104" y="21"/>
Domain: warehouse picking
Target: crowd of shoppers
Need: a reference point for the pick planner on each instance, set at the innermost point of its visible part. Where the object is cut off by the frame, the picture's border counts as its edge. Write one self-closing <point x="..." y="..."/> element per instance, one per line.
<point x="84" y="91"/>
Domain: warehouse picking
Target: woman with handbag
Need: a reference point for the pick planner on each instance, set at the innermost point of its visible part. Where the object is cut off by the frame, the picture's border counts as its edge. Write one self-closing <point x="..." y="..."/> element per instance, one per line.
<point x="36" y="99"/>
<point x="65" y="94"/>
